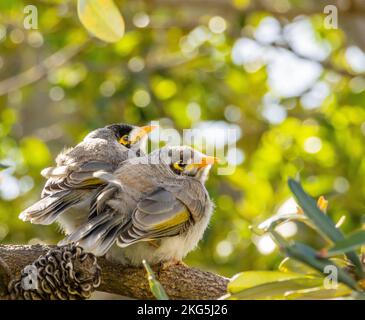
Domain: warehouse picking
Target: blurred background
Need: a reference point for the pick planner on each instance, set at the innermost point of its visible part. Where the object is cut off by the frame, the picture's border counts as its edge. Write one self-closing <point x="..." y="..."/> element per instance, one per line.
<point x="290" y="84"/>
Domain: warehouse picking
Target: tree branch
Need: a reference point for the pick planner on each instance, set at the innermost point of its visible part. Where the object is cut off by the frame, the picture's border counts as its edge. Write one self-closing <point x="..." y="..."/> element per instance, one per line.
<point x="179" y="281"/>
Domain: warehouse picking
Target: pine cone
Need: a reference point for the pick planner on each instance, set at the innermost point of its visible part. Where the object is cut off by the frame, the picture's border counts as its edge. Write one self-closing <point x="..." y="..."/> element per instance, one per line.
<point x="64" y="273"/>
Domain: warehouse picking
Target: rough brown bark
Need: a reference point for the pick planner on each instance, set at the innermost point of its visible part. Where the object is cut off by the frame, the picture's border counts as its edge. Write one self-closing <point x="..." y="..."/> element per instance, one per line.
<point x="179" y="281"/>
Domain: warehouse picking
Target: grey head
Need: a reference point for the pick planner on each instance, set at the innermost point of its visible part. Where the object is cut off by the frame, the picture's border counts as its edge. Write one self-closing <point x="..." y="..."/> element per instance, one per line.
<point x="180" y="162"/>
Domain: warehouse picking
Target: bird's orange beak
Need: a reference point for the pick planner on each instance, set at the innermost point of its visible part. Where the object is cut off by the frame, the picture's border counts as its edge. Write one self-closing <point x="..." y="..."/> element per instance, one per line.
<point x="142" y="132"/>
<point x="206" y="161"/>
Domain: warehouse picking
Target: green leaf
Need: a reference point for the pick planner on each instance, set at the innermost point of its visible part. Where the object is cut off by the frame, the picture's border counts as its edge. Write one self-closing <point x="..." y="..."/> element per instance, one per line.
<point x="320" y="293"/>
<point x="309" y="206"/>
<point x="248" y="279"/>
<point x="323" y="222"/>
<point x="156" y="288"/>
<point x="292" y="265"/>
<point x="101" y="18"/>
<point x="351" y="242"/>
<point x="276" y="289"/>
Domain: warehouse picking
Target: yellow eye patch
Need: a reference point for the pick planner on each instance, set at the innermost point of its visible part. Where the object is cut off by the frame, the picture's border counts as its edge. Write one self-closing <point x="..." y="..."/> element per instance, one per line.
<point x="124" y="140"/>
<point x="178" y="166"/>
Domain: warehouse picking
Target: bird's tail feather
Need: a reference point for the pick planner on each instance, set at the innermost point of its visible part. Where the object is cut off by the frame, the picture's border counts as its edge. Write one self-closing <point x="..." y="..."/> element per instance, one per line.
<point x="46" y="210"/>
<point x="98" y="234"/>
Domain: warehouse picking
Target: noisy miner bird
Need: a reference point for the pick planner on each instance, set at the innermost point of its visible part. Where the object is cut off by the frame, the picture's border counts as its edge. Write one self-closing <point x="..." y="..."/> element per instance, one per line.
<point x="154" y="207"/>
<point x="71" y="183"/>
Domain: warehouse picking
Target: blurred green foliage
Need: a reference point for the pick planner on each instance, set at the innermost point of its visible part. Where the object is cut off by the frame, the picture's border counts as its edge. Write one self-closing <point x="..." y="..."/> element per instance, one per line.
<point x="175" y="64"/>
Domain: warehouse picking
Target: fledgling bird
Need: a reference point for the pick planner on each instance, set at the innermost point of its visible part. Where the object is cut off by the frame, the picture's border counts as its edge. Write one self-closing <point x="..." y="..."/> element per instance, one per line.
<point x="71" y="183"/>
<point x="154" y="207"/>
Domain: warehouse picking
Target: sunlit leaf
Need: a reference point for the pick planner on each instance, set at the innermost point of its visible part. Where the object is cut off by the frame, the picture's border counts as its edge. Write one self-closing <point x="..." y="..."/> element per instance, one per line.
<point x="156" y="288"/>
<point x="248" y="279"/>
<point x="277" y="289"/>
<point x="320" y="293"/>
<point x="101" y="18"/>
<point x="291" y="265"/>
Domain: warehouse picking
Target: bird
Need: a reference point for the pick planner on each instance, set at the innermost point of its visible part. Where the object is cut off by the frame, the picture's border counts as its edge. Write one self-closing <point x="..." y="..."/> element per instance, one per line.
<point x="71" y="184"/>
<point x="154" y="208"/>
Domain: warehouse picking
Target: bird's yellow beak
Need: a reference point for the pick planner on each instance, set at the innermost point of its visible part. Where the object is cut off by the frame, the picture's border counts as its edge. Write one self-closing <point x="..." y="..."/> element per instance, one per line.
<point x="142" y="132"/>
<point x="206" y="161"/>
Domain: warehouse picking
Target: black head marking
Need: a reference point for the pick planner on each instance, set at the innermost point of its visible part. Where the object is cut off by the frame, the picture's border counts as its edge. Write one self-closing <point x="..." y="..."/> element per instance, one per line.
<point x="120" y="129"/>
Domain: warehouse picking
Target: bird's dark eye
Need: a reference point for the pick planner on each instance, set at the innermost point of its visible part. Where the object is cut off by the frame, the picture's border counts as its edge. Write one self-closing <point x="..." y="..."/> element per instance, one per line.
<point x="124" y="140"/>
<point x="178" y="167"/>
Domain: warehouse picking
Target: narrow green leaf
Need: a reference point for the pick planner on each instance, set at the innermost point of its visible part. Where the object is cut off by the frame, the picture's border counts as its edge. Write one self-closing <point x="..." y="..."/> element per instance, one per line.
<point x="309" y="206"/>
<point x="248" y="279"/>
<point x="156" y="288"/>
<point x="351" y="242"/>
<point x="323" y="222"/>
<point x="101" y="18"/>
<point x="3" y="166"/>
<point x="277" y="289"/>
